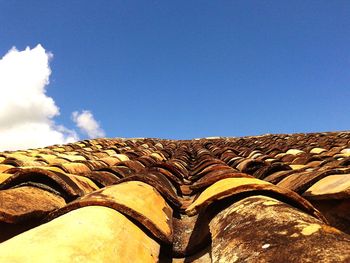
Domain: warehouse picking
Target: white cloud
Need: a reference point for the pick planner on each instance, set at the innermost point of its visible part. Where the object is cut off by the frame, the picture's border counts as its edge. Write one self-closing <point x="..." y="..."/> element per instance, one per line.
<point x="87" y="124"/>
<point x="26" y="112"/>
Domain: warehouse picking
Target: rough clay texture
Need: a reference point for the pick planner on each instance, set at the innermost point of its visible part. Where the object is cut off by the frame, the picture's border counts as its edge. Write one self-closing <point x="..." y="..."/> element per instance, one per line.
<point x="262" y="229"/>
<point x="269" y="198"/>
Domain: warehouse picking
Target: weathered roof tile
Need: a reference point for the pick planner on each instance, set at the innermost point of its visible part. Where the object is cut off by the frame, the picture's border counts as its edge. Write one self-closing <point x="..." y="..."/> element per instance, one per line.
<point x="84" y="235"/>
<point x="334" y="186"/>
<point x="262" y="229"/>
<point x="25" y="202"/>
<point x="136" y="199"/>
<point x="203" y="200"/>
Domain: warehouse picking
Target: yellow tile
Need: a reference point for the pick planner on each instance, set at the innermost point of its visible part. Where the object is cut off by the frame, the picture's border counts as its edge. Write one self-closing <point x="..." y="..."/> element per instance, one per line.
<point x="294" y="151"/>
<point x="317" y="150"/>
<point x="4" y="176"/>
<point x="337" y="185"/>
<point x="89" y="234"/>
<point x="297" y="166"/>
<point x="4" y="167"/>
<point x="122" y="157"/>
<point x="140" y="197"/>
<point x="158" y="156"/>
<point x="222" y="186"/>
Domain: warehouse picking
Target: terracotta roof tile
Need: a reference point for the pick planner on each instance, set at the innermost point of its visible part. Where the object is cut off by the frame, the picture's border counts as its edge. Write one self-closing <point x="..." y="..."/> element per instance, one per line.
<point x="136" y="199"/>
<point x="269" y="198"/>
<point x="83" y="235"/>
<point x="262" y="229"/>
<point x="24" y="202"/>
<point x="334" y="186"/>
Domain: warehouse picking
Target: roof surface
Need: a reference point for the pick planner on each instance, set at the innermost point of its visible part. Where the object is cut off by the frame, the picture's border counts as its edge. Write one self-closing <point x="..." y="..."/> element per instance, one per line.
<point x="270" y="198"/>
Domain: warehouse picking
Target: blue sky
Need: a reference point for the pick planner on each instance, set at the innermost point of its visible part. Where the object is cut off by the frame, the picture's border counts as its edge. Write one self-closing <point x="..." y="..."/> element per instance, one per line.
<point x="187" y="69"/>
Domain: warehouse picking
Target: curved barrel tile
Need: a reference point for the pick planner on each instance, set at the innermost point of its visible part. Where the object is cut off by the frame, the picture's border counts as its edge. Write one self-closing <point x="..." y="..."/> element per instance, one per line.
<point x="160" y="183"/>
<point x="26" y="202"/>
<point x="335" y="186"/>
<point x="4" y="177"/>
<point x="210" y="169"/>
<point x="74" y="168"/>
<point x="69" y="186"/>
<point x="118" y="171"/>
<point x="136" y="199"/>
<point x="276" y="177"/>
<point x="22" y="160"/>
<point x="250" y="166"/>
<point x="299" y="182"/>
<point x="265" y="171"/>
<point x="102" y="178"/>
<point x="84" y="183"/>
<point x="171" y="169"/>
<point x="110" y="161"/>
<point x="133" y="165"/>
<point x="172" y="178"/>
<point x="5" y="167"/>
<point x="234" y="186"/>
<point x="122" y="157"/>
<point x="215" y="176"/>
<point x="205" y="163"/>
<point x="331" y="196"/>
<point x="89" y="234"/>
<point x="263" y="229"/>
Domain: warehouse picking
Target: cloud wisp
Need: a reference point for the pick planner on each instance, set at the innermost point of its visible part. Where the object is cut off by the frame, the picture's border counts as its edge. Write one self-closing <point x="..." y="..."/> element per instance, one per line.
<point x="26" y="112"/>
<point x="86" y="122"/>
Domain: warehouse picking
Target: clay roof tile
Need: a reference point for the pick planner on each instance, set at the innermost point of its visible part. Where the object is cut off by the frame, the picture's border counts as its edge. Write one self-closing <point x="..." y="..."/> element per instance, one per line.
<point x="274" y="197"/>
